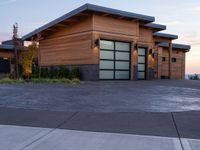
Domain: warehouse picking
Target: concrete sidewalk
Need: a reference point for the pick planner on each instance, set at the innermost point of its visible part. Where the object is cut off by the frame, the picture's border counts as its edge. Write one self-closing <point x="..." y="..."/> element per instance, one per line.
<point x="41" y="130"/>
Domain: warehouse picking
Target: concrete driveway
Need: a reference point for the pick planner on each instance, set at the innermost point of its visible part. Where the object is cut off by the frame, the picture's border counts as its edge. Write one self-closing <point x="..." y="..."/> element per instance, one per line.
<point x="107" y="96"/>
<point x="122" y="115"/>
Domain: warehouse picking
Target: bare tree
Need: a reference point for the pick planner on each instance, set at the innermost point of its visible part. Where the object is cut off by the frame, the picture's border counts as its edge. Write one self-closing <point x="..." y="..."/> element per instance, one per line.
<point x="16" y="46"/>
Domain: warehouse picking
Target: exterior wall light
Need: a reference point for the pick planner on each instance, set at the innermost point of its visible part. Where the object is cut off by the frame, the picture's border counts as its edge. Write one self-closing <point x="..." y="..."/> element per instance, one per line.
<point x="97" y="43"/>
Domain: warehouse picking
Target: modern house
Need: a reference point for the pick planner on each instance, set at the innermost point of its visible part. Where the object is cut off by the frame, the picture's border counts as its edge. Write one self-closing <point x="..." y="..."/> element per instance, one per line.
<point x="110" y="44"/>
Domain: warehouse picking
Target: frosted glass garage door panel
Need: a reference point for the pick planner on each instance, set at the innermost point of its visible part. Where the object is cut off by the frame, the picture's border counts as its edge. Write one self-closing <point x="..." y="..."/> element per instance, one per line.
<point x="106" y="45"/>
<point x="122" y="56"/>
<point x="104" y="74"/>
<point x="141" y="59"/>
<point x="141" y="51"/>
<point x="122" y="65"/>
<point x="122" y="46"/>
<point x="141" y="67"/>
<point x="106" y="64"/>
<point x="141" y="75"/>
<point x="122" y="74"/>
<point x="106" y="54"/>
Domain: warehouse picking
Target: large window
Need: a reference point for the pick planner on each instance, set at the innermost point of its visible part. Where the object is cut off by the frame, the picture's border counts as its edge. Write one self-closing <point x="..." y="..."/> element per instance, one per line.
<point x="114" y="60"/>
<point x="141" y="63"/>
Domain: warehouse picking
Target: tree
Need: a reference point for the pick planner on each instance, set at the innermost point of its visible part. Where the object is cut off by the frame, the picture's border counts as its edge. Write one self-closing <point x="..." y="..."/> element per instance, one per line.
<point x="27" y="57"/>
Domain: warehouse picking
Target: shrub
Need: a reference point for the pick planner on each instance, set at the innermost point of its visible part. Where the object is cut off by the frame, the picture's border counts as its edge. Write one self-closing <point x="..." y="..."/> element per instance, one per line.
<point x="194" y="77"/>
<point x="75" y="73"/>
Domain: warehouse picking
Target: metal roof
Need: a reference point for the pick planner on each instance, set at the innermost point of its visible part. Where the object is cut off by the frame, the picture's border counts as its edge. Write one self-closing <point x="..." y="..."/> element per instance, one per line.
<point x="94" y="8"/>
<point x="7" y="47"/>
<point x="176" y="46"/>
<point x="165" y="35"/>
<point x="159" y="27"/>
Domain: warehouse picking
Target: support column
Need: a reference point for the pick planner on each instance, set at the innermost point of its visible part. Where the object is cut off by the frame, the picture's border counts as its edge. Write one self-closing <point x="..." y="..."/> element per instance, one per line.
<point x="170" y="60"/>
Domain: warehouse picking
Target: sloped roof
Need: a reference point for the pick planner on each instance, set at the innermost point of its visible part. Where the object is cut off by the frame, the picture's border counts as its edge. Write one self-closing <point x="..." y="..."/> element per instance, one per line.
<point x="94" y="8"/>
<point x="157" y="27"/>
<point x="165" y="35"/>
<point x="176" y="46"/>
<point x="6" y="47"/>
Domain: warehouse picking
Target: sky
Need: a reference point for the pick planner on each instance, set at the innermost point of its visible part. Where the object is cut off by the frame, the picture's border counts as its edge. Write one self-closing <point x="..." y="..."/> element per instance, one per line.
<point x="182" y="17"/>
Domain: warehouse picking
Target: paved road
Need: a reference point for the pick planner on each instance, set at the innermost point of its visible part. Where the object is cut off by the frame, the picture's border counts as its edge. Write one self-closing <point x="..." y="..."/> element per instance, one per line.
<point x="108" y="96"/>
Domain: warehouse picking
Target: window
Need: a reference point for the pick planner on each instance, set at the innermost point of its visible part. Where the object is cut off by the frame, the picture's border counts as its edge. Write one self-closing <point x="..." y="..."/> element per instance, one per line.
<point x="164" y="59"/>
<point x="114" y="60"/>
<point x="173" y="59"/>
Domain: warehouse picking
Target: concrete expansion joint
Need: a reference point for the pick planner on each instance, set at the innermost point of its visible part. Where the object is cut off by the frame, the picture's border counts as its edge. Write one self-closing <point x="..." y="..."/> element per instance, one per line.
<point x="50" y="131"/>
<point x="177" y="131"/>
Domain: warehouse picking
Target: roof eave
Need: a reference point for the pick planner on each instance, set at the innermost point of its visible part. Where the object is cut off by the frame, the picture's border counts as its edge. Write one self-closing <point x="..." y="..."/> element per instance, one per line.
<point x="90" y="7"/>
<point x="165" y="35"/>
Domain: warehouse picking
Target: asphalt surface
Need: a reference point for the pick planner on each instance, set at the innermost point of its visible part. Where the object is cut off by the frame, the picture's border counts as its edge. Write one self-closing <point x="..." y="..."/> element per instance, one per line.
<point x="110" y="115"/>
<point x="105" y="96"/>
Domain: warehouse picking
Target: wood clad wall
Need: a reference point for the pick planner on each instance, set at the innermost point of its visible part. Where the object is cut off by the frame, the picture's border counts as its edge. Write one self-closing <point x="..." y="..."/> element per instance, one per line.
<point x="115" y="25"/>
<point x="165" y="64"/>
<point x="178" y="67"/>
<point x="145" y="35"/>
<point x="6" y="54"/>
<point x="69" y="46"/>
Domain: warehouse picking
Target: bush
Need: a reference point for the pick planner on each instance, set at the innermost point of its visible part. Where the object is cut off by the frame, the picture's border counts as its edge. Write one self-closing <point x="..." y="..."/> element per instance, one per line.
<point x="75" y="73"/>
<point x="194" y="77"/>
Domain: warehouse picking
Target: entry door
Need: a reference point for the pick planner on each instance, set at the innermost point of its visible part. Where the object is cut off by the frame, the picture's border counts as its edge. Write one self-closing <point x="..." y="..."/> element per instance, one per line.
<point x="114" y="60"/>
<point x="4" y="65"/>
<point x="141" y="63"/>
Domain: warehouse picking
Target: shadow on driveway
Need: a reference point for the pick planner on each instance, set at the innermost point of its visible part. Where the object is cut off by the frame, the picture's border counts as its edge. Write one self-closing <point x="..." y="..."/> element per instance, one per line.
<point x="183" y="124"/>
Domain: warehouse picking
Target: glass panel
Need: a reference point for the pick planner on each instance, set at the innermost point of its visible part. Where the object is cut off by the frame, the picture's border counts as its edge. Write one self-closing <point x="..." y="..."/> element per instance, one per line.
<point x="121" y="65"/>
<point x="122" y="46"/>
<point x="141" y="67"/>
<point x="106" y="45"/>
<point x="121" y="74"/>
<point x="122" y="56"/>
<point x="141" y="59"/>
<point x="141" y="75"/>
<point x="141" y="51"/>
<point x="106" y="74"/>
<point x="106" y="64"/>
<point x="106" y="54"/>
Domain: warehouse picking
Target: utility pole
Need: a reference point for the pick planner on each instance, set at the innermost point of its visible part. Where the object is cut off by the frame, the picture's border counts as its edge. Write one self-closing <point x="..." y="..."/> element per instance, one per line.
<point x="16" y="44"/>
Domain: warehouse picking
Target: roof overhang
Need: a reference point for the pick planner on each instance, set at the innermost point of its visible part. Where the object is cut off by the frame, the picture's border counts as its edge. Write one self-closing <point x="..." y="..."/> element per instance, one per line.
<point x="176" y="46"/>
<point x="165" y="35"/>
<point x="94" y="8"/>
<point x="7" y="47"/>
<point x="155" y="27"/>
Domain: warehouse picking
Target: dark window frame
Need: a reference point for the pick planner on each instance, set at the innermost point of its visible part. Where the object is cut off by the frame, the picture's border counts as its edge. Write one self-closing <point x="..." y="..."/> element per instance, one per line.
<point x="174" y="60"/>
<point x="116" y="60"/>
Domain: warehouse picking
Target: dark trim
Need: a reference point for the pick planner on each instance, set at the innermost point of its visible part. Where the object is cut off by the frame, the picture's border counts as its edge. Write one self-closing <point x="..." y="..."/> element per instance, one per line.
<point x="157" y="27"/>
<point x="146" y="59"/>
<point x="165" y="35"/>
<point x="93" y="8"/>
<point x="176" y="46"/>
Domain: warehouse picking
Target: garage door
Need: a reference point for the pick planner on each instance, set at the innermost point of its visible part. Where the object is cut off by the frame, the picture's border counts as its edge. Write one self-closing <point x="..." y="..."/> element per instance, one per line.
<point x="114" y="60"/>
<point x="4" y="65"/>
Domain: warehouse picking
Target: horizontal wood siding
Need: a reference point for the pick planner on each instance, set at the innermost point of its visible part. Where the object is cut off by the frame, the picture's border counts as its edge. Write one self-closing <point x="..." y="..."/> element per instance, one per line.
<point x="178" y="67"/>
<point x="115" y="25"/>
<point x="68" y="51"/>
<point x="6" y="54"/>
<point x="145" y="35"/>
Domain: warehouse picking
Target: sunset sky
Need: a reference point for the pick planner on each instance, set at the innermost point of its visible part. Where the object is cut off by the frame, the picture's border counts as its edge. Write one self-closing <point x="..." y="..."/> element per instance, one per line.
<point x="182" y="17"/>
